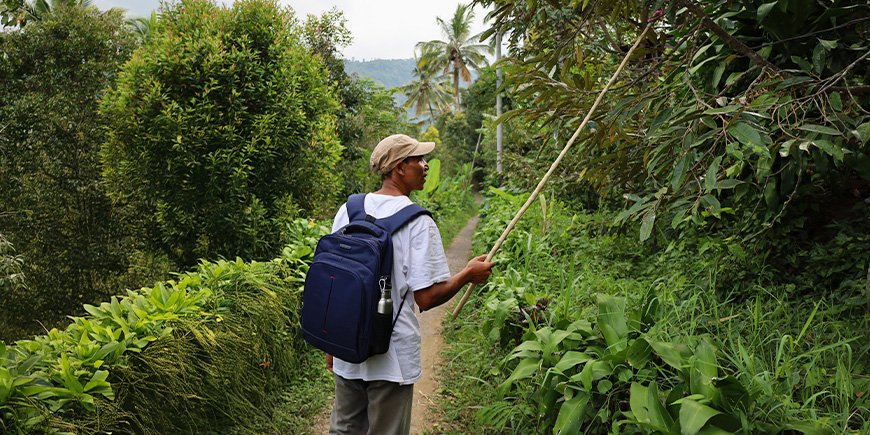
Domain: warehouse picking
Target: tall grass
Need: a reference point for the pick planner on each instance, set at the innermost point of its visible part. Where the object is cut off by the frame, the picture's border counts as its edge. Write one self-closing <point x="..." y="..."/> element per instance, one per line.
<point x="800" y="362"/>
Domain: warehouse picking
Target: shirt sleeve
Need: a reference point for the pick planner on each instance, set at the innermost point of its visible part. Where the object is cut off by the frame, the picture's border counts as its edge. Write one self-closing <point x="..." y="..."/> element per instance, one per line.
<point x="427" y="263"/>
<point x="341" y="219"/>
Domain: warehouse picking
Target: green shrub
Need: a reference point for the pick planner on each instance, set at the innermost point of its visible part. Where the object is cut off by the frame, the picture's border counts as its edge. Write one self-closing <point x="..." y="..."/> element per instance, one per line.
<point x="200" y="353"/>
<point x="53" y="207"/>
<point x="597" y="331"/>
<point x="220" y="123"/>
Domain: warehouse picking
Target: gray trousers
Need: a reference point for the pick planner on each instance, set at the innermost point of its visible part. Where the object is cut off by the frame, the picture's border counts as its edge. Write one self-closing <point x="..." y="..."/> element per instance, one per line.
<point x="371" y="407"/>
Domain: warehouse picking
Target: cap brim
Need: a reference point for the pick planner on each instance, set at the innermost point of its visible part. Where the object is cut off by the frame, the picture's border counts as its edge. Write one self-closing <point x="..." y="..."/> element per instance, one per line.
<point x="422" y="149"/>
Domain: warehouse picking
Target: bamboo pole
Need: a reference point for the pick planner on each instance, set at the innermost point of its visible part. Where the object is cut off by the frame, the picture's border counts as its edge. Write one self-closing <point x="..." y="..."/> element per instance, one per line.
<point x="553" y="167"/>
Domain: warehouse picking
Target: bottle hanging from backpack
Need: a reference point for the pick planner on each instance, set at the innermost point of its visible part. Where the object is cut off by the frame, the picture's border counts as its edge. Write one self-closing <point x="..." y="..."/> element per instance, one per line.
<point x="350" y="282"/>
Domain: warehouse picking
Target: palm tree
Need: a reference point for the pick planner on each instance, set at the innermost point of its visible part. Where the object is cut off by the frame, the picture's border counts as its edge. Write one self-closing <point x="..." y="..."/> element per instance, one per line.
<point x="143" y="27"/>
<point x="460" y="51"/>
<point x="426" y="90"/>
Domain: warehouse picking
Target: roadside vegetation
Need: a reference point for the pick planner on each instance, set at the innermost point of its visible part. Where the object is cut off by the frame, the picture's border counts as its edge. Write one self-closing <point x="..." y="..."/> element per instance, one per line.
<point x="699" y="264"/>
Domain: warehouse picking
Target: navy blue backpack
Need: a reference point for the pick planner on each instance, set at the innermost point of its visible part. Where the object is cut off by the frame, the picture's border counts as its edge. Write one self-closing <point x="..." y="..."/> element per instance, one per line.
<point x="342" y="287"/>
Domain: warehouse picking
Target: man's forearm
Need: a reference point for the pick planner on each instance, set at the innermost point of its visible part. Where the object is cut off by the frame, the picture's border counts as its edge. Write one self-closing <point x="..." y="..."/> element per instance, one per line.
<point x="441" y="292"/>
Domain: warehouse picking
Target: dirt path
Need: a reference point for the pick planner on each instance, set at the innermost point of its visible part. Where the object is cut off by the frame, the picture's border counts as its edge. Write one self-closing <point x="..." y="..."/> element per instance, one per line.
<point x="425" y="410"/>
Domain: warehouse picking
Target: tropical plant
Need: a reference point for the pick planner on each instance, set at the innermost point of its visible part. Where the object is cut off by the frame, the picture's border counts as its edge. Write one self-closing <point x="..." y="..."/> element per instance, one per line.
<point x="585" y="329"/>
<point x="221" y="125"/>
<point x="458" y="52"/>
<point x="143" y="27"/>
<point x="206" y="351"/>
<point x="429" y="90"/>
<point x="748" y="114"/>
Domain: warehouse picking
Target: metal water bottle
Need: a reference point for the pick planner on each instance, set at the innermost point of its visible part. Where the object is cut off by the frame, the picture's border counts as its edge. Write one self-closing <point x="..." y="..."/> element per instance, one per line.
<point x="385" y="303"/>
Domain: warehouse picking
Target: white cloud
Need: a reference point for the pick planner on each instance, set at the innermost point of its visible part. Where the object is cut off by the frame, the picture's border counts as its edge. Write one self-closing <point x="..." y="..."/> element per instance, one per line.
<point x="381" y="29"/>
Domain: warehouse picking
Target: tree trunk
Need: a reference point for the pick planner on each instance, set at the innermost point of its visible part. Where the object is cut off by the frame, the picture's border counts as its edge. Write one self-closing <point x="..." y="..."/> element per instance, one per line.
<point x="456" y="85"/>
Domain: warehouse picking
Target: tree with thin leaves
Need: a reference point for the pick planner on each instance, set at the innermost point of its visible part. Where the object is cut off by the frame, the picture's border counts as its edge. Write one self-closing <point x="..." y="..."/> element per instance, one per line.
<point x="458" y="52"/>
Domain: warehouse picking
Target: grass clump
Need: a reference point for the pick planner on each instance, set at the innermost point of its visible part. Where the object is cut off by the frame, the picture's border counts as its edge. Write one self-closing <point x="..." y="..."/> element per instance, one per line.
<point x="586" y="330"/>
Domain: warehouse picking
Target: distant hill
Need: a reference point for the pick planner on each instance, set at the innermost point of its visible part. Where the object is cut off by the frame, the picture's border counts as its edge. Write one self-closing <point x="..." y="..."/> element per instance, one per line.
<point x="388" y="72"/>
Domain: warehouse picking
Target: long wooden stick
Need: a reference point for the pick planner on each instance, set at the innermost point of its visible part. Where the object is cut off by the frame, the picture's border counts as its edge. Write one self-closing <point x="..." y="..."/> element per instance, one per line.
<point x="553" y="167"/>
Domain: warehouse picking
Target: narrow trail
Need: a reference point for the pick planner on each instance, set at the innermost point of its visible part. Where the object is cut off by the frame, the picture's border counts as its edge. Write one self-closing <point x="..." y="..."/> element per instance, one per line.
<point x="425" y="410"/>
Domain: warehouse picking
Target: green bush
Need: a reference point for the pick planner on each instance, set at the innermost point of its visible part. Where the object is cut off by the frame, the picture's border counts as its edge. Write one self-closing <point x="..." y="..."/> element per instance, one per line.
<point x="597" y="331"/>
<point x="53" y="207"/>
<point x="221" y="123"/>
<point x="200" y="353"/>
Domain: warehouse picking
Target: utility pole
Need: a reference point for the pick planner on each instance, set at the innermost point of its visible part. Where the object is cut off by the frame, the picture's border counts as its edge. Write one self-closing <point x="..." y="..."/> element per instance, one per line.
<point x="498" y="129"/>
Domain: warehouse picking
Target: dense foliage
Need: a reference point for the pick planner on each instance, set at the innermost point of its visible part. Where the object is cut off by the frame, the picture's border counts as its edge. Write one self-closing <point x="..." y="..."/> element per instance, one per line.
<point x="740" y="114"/>
<point x="53" y="208"/>
<point x="203" y="352"/>
<point x="594" y="332"/>
<point x="220" y="127"/>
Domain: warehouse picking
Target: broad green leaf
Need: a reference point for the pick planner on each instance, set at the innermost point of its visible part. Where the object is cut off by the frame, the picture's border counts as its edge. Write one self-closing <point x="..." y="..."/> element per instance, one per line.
<point x="819" y="59"/>
<point x="704" y="370"/>
<point x="829" y="44"/>
<point x="745" y="134"/>
<point x="611" y="318"/>
<point x="762" y="169"/>
<point x="836" y="101"/>
<point x="571" y="359"/>
<point x="771" y="196"/>
<point x="525" y="369"/>
<point x="638" y="353"/>
<point x="862" y="133"/>
<point x="679" y="173"/>
<point x="712" y="204"/>
<point x="658" y="415"/>
<point x="675" y="355"/>
<point x="712" y="172"/>
<point x="830" y="149"/>
<point x="571" y="414"/>
<point x="820" y="129"/>
<point x="592" y="371"/>
<point x="693" y="416"/>
<point x="802" y="63"/>
<point x="646" y="225"/>
<point x="728" y="183"/>
<point x="763" y="10"/>
<point x="785" y="148"/>
<point x="717" y="74"/>
<point x="433" y="176"/>
<point x="648" y="409"/>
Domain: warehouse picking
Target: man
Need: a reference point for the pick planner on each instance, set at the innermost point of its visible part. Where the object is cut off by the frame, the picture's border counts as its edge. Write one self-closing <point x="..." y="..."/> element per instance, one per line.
<point x="375" y="396"/>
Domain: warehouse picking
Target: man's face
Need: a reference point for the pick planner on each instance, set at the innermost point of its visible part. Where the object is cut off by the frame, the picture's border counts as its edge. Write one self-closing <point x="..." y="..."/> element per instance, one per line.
<point x="414" y="171"/>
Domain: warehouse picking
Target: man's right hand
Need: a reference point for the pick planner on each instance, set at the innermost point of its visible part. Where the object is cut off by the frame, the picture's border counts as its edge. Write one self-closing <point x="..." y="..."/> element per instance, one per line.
<point x="479" y="269"/>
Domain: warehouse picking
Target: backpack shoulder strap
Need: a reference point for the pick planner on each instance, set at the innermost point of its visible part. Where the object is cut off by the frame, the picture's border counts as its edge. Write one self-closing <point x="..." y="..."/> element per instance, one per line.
<point x="399" y="219"/>
<point x="356" y="207"/>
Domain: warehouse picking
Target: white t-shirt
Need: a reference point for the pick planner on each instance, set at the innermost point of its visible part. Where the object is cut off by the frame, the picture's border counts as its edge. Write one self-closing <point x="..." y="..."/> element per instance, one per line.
<point x="418" y="262"/>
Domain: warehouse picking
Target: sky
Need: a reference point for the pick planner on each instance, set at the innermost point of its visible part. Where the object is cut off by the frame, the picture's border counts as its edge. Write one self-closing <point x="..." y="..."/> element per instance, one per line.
<point x="381" y="29"/>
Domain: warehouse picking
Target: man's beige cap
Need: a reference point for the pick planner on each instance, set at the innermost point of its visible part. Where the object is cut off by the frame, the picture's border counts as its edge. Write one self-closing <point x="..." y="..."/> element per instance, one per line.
<point x="393" y="149"/>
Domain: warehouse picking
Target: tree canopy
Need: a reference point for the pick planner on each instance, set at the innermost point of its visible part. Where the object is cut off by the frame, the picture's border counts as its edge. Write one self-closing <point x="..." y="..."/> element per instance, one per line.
<point x="459" y="51"/>
<point x="219" y="126"/>
<point x="740" y="113"/>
